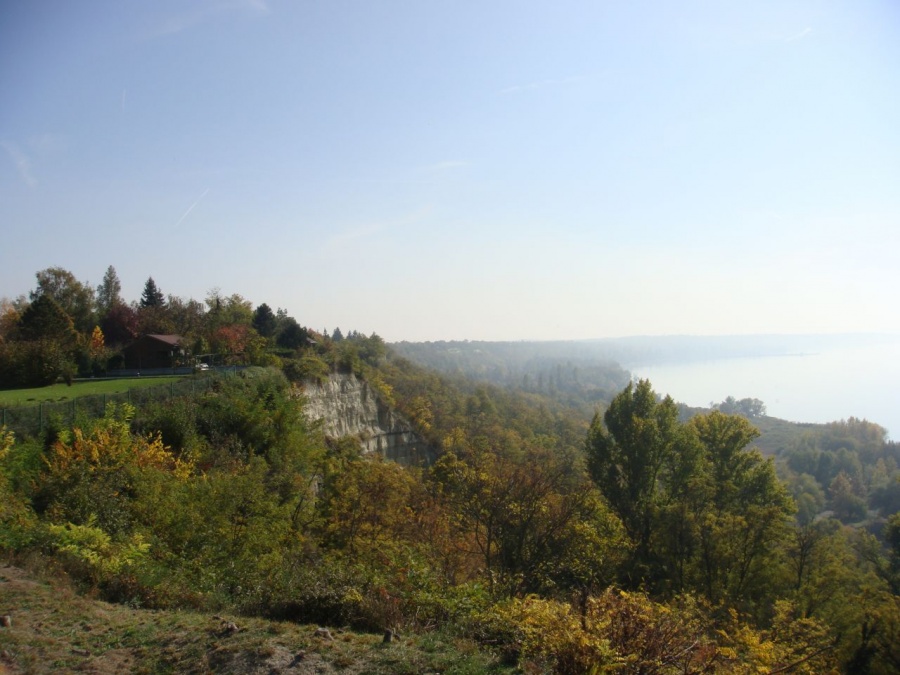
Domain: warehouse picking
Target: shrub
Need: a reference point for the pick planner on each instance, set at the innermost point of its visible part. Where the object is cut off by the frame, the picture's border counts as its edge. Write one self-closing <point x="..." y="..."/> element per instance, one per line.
<point x="16" y="519"/>
<point x="308" y="367"/>
<point x="90" y="553"/>
<point x="616" y="631"/>
<point x="545" y="632"/>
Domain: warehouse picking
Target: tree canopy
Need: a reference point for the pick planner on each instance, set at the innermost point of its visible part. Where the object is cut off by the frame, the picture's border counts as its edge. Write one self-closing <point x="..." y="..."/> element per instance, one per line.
<point x="75" y="298"/>
<point x="643" y="539"/>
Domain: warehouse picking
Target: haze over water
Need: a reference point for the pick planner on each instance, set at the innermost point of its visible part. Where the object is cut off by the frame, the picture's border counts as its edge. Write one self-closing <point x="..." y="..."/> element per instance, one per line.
<point x="860" y="381"/>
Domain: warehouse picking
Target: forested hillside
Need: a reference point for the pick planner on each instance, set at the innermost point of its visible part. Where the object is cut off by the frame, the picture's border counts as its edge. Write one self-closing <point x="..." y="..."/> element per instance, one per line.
<point x="634" y="540"/>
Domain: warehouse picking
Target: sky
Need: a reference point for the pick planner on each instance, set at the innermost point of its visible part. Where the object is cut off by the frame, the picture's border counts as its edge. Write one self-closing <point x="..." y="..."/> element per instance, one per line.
<point x="489" y="170"/>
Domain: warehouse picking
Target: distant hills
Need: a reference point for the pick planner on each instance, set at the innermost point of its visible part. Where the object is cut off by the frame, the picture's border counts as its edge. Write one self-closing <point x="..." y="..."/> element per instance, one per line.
<point x="639" y="350"/>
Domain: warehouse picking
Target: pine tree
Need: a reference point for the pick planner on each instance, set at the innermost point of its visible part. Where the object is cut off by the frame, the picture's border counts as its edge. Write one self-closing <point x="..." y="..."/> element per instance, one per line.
<point x="264" y="321"/>
<point x="152" y="296"/>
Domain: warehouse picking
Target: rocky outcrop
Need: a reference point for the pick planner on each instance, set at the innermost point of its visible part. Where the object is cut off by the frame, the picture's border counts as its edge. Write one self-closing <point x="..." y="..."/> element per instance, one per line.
<point x="348" y="406"/>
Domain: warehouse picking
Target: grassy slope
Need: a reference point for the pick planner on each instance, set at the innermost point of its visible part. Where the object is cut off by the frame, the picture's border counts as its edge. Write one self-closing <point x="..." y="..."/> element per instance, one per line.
<point x="776" y="434"/>
<point x="56" y="630"/>
<point x="63" y="392"/>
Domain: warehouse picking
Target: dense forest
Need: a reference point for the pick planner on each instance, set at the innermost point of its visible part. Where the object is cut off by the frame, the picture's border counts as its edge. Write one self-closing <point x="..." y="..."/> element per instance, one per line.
<point x="573" y="521"/>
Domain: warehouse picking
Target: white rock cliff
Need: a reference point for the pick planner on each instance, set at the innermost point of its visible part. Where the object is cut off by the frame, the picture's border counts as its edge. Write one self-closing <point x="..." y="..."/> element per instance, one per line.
<point x="348" y="406"/>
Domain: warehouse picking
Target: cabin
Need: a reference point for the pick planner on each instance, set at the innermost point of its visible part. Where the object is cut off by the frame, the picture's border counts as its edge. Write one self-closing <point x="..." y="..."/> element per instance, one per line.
<point x="154" y="351"/>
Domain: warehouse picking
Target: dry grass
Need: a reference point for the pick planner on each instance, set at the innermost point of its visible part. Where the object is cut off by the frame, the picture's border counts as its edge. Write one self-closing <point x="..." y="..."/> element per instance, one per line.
<point x="54" y="629"/>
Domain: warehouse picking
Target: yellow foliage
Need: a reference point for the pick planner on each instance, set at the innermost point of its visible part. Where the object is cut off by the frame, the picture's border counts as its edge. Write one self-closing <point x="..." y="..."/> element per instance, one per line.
<point x="110" y="445"/>
<point x="91" y="547"/>
<point x="15" y="516"/>
<point x="616" y="632"/>
<point x="420" y="412"/>
<point x="793" y="644"/>
<point x="369" y="504"/>
<point x="97" y="342"/>
<point x="7" y="438"/>
<point x="455" y="441"/>
<point x="385" y="391"/>
<point x="546" y="632"/>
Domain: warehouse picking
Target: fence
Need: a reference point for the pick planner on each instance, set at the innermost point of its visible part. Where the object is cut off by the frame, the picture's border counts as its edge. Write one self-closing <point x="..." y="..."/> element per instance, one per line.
<point x="31" y="420"/>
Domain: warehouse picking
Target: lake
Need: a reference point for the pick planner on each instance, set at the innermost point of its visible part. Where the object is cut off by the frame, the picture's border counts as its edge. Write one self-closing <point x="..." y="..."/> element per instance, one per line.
<point x="823" y="386"/>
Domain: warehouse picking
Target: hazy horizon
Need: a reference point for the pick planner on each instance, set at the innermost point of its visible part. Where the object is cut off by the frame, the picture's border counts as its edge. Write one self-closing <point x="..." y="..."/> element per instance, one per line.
<point x="825" y="386"/>
<point x="481" y="171"/>
<point x="800" y="378"/>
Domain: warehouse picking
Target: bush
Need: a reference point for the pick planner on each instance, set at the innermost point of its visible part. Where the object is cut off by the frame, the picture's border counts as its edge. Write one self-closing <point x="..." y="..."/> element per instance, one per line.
<point x="89" y="553"/>
<point x="308" y="367"/>
<point x="617" y="630"/>
<point x="16" y="519"/>
<point x="545" y="632"/>
<point x="35" y="364"/>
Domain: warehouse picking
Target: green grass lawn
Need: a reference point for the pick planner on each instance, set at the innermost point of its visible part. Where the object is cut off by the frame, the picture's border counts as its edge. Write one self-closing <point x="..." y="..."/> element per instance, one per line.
<point x="63" y="392"/>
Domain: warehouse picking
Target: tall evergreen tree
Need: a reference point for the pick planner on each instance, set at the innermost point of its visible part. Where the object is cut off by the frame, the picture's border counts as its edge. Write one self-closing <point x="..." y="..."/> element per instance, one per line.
<point x="152" y="296"/>
<point x="290" y="334"/>
<point x="264" y="321"/>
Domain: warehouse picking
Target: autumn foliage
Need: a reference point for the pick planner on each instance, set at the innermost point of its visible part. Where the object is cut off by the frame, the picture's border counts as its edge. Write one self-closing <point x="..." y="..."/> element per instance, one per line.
<point x="533" y="532"/>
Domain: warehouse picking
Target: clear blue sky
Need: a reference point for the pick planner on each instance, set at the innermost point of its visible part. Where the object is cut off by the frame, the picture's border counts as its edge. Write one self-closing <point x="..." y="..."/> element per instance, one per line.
<point x="452" y="170"/>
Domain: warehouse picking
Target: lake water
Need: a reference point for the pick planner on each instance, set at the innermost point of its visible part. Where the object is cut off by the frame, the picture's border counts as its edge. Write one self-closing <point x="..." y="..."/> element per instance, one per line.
<point x="828" y="385"/>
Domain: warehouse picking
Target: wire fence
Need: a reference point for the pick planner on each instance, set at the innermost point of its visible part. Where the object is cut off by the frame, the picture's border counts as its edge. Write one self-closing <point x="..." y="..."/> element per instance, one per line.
<point x="28" y="421"/>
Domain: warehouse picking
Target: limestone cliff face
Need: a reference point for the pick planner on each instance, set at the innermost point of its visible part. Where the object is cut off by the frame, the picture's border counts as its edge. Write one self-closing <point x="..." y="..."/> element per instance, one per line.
<point x="347" y="406"/>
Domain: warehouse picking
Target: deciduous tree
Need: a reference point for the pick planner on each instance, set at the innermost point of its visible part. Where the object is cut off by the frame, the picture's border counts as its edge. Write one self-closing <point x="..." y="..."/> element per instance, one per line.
<point x="120" y="325"/>
<point x="45" y="320"/>
<point x="746" y="510"/>
<point x="533" y="521"/>
<point x="75" y="297"/>
<point x="9" y="319"/>
<point x="628" y="451"/>
<point x="848" y="507"/>
<point x="188" y="317"/>
<point x="109" y="292"/>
